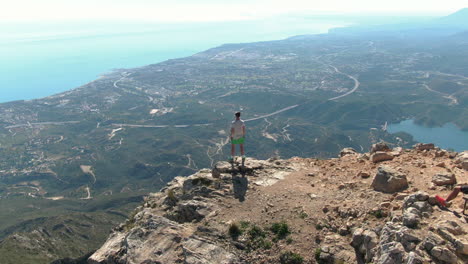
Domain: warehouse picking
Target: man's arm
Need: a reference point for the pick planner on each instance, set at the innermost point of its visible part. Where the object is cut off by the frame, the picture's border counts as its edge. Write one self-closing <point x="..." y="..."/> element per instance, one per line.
<point x="243" y="131"/>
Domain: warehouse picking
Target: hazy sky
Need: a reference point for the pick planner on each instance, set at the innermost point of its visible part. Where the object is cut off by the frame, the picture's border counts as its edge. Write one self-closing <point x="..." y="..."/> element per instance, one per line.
<point x="208" y="10"/>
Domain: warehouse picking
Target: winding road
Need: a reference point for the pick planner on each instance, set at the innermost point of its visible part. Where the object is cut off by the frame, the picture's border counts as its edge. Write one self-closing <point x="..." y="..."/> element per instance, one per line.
<point x="356" y="84"/>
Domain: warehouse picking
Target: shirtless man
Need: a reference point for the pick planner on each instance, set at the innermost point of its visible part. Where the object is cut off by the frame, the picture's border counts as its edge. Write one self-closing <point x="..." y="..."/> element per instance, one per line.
<point x="237" y="137"/>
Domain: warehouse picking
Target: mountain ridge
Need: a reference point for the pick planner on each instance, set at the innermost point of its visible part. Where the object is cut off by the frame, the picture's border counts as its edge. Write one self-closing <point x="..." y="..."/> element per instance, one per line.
<point x="302" y="210"/>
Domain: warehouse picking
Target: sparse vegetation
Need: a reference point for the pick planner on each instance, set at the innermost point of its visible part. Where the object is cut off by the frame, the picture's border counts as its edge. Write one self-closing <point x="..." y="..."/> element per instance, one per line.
<point x="289" y="257"/>
<point x="256" y="231"/>
<point x="130" y="223"/>
<point x="259" y="243"/>
<point x="281" y="230"/>
<point x="317" y="253"/>
<point x="303" y="215"/>
<point x="377" y="213"/>
<point x="244" y="224"/>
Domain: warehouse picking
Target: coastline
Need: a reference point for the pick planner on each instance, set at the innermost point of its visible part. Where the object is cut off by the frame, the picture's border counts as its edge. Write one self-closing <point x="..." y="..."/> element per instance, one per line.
<point x="128" y="61"/>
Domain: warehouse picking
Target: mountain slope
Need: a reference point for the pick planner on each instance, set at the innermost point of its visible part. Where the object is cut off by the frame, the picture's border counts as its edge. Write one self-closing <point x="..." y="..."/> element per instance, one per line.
<point x="300" y="211"/>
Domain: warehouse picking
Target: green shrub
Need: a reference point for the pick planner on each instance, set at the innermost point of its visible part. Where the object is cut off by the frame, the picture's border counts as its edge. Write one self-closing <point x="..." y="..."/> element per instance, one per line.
<point x="289" y="257"/>
<point x="317" y="253"/>
<point x="244" y="224"/>
<point x="377" y="214"/>
<point x="281" y="230"/>
<point x="303" y="215"/>
<point x="259" y="242"/>
<point x="256" y="231"/>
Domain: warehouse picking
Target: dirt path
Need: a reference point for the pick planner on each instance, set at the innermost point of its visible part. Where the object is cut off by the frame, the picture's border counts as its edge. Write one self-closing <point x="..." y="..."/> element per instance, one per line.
<point x="452" y="98"/>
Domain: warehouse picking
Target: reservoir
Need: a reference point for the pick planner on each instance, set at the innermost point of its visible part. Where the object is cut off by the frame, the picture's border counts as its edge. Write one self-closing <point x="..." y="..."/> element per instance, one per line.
<point x="449" y="136"/>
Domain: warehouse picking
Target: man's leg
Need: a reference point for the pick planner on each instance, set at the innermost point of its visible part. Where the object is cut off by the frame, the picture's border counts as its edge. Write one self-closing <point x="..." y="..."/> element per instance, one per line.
<point x="453" y="194"/>
<point x="242" y="153"/>
<point x="233" y="151"/>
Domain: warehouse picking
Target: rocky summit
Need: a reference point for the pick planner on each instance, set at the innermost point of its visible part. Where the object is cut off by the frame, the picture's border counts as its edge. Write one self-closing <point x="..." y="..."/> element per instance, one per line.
<point x="351" y="209"/>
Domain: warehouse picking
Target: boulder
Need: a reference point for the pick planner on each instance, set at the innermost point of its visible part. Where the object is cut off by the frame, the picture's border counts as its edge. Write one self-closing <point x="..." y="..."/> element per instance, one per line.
<point x="440" y="153"/>
<point x="221" y="167"/>
<point x="363" y="175"/>
<point x="396" y="151"/>
<point x="335" y="250"/>
<point x="444" y="178"/>
<point x="199" y="179"/>
<point x="347" y="151"/>
<point x="462" y="160"/>
<point x="452" y="232"/>
<point x="411" y="217"/>
<point x="392" y="252"/>
<point x="365" y="242"/>
<point x="189" y="211"/>
<point x="380" y="156"/>
<point x="443" y="254"/>
<point x="461" y="246"/>
<point x="414" y="258"/>
<point x="381" y="146"/>
<point x="432" y="240"/>
<point x="422" y="146"/>
<point x="389" y="180"/>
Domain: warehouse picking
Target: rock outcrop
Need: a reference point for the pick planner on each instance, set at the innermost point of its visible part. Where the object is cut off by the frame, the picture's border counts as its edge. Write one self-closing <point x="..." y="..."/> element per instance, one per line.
<point x="389" y="180"/>
<point x="348" y="151"/>
<point x="424" y="146"/>
<point x="444" y="178"/>
<point x="302" y="211"/>
<point x="462" y="160"/>
<point x="381" y="146"/>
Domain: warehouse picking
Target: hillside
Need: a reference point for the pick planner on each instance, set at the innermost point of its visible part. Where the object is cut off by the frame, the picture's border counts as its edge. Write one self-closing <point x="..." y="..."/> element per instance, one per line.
<point x="376" y="207"/>
<point x="95" y="151"/>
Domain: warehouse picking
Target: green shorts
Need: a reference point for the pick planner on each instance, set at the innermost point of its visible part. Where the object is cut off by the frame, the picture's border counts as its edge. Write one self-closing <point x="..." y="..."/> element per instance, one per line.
<point x="237" y="141"/>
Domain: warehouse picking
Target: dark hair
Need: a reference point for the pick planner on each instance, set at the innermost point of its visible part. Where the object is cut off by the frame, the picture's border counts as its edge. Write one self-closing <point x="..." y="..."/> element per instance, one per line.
<point x="237" y="114"/>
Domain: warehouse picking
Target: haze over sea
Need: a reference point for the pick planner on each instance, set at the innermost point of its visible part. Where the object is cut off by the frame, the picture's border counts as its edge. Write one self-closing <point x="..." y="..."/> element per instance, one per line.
<point x="44" y="59"/>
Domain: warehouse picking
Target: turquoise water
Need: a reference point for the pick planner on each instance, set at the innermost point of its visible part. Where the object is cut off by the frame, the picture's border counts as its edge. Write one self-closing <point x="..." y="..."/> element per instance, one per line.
<point x="448" y="136"/>
<point x="43" y="59"/>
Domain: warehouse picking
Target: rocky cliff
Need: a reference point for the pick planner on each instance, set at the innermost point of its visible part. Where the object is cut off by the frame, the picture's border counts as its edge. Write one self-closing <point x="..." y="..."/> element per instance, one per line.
<point x="377" y="207"/>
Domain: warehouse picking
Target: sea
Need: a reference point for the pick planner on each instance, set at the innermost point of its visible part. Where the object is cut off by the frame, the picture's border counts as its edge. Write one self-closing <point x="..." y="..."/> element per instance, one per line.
<point x="42" y="59"/>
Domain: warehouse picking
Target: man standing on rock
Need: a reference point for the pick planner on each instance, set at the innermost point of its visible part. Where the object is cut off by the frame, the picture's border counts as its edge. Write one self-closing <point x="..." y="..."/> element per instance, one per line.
<point x="237" y="137"/>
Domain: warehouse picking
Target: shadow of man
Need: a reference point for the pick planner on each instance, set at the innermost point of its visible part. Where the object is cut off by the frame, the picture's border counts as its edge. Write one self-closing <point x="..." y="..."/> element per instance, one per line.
<point x="240" y="185"/>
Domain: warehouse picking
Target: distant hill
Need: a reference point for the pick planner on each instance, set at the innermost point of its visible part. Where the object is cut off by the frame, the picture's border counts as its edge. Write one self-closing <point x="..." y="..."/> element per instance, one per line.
<point x="459" y="18"/>
<point x="435" y="27"/>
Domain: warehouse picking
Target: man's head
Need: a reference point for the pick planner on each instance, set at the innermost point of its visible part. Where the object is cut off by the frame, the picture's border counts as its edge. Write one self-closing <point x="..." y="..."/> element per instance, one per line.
<point x="237" y="114"/>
